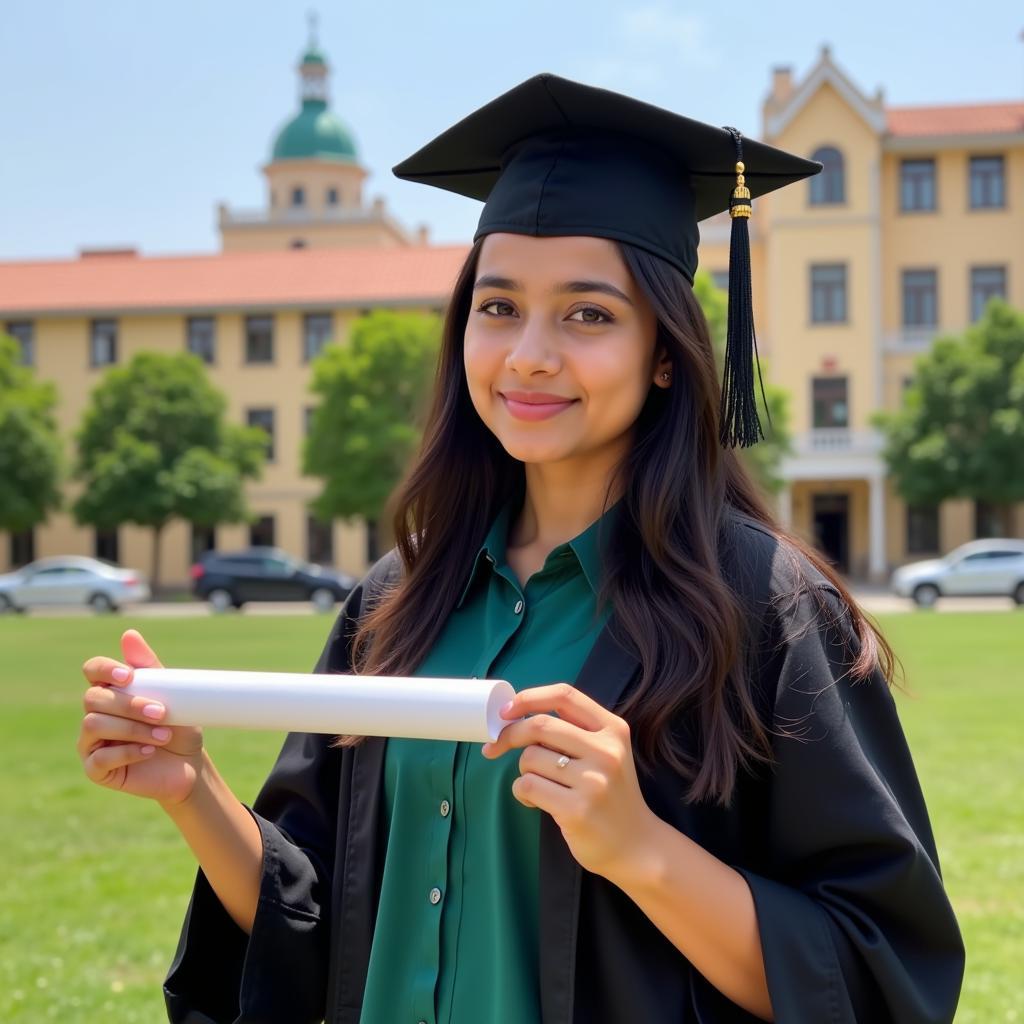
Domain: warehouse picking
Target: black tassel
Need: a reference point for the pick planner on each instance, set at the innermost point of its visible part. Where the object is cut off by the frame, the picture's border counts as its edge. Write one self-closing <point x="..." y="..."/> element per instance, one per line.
<point x="738" y="420"/>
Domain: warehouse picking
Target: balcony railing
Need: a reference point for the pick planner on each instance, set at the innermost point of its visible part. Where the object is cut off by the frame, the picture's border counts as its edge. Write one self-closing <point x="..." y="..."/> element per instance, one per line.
<point x="838" y="440"/>
<point x="910" y="339"/>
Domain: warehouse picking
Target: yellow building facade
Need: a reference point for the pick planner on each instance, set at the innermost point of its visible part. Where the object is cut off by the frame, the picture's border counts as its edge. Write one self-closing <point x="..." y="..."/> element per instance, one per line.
<point x="917" y="218"/>
<point x="915" y="221"/>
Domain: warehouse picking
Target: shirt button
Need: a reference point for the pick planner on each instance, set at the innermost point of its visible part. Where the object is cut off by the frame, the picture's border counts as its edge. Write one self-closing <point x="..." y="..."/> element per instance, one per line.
<point x="435" y="895"/>
<point x="519" y="607"/>
<point x="445" y="808"/>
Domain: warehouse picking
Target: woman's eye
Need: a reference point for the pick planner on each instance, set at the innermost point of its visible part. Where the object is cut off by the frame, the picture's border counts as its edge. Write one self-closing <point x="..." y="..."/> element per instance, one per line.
<point x="492" y="302"/>
<point x="593" y="309"/>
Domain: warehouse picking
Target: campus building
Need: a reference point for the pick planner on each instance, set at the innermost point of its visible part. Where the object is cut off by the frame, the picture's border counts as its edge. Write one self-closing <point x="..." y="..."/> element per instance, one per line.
<point x="916" y="220"/>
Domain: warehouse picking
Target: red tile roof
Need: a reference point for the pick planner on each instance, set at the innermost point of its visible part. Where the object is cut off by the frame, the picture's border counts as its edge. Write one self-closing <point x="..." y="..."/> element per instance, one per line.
<point x="962" y="119"/>
<point x="326" y="277"/>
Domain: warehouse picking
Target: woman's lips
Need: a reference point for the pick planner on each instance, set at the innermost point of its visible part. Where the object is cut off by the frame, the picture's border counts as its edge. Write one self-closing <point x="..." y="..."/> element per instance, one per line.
<point x="535" y="411"/>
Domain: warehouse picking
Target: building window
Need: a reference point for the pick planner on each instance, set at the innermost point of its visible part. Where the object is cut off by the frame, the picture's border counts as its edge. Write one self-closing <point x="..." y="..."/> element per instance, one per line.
<point x="829" y="403"/>
<point x="298" y="196"/>
<point x="273" y="199"/>
<point x="319" y="541"/>
<point x="917" y="185"/>
<point x="986" y="283"/>
<point x="106" y="546"/>
<point x="201" y="337"/>
<point x="204" y="538"/>
<point x="259" y="339"/>
<point x="317" y="330"/>
<point x="906" y="383"/>
<point x="828" y="293"/>
<point x="987" y="188"/>
<point x="261" y="533"/>
<point x="22" y="547"/>
<point x="988" y="520"/>
<point x="102" y="342"/>
<point x="920" y="298"/>
<point x="263" y="418"/>
<point x="922" y="529"/>
<point x="828" y="186"/>
<point x="23" y="332"/>
<point x="720" y="279"/>
<point x="307" y="419"/>
<point x="332" y="197"/>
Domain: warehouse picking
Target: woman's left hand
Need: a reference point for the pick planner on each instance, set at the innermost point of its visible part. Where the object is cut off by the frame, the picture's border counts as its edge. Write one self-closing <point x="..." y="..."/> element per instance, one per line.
<point x="595" y="799"/>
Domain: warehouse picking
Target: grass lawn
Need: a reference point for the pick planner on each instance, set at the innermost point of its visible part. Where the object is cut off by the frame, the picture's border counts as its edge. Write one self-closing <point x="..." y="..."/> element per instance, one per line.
<point x="97" y="883"/>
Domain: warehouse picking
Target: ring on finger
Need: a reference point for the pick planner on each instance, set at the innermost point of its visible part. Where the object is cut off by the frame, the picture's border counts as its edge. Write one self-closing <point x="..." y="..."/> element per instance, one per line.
<point x="563" y="760"/>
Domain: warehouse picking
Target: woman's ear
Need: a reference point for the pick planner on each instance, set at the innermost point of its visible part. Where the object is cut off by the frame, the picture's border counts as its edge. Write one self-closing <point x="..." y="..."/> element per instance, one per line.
<point x="663" y="370"/>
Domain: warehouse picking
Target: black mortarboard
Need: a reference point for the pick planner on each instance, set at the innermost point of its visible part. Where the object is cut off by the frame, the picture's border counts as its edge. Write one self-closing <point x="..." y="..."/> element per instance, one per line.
<point x="557" y="157"/>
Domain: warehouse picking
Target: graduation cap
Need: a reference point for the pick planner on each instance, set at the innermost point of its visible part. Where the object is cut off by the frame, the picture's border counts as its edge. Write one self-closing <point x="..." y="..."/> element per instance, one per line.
<point x="557" y="157"/>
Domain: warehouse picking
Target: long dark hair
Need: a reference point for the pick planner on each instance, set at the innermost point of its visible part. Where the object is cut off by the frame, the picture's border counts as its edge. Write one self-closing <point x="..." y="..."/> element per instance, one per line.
<point x="663" y="577"/>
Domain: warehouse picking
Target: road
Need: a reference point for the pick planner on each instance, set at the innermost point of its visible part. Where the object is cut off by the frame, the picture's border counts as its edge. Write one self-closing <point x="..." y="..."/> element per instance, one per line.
<point x="872" y="600"/>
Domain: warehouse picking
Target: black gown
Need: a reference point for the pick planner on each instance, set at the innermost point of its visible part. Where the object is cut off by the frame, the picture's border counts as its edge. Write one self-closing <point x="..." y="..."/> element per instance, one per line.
<point x="834" y="842"/>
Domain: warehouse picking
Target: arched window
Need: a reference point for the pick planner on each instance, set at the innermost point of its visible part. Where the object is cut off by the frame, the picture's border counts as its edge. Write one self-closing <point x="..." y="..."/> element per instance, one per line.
<point x="829" y="186"/>
<point x="332" y="197"/>
<point x="298" y="196"/>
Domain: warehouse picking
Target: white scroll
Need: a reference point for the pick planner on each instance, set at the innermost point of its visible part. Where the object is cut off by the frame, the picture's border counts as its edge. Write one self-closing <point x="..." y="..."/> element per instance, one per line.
<point x="412" y="707"/>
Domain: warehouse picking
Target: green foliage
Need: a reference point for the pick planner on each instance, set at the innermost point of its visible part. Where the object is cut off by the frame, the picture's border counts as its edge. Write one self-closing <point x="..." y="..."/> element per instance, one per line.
<point x="764" y="458"/>
<point x="960" y="432"/>
<point x="367" y="426"/>
<point x="31" y="461"/>
<point x="153" y="446"/>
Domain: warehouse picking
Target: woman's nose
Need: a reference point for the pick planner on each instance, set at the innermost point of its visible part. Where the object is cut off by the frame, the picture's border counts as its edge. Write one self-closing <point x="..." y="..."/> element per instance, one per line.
<point x="532" y="350"/>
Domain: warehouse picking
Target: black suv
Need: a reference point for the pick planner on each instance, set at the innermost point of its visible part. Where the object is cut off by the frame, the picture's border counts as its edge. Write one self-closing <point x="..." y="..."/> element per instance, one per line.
<point x="229" y="579"/>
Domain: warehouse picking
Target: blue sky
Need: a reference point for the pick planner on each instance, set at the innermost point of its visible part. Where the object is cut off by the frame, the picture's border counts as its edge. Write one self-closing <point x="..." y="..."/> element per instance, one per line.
<point x="126" y="123"/>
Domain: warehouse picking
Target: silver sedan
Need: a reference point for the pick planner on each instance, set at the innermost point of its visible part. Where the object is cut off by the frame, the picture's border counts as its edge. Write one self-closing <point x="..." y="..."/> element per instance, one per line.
<point x="71" y="580"/>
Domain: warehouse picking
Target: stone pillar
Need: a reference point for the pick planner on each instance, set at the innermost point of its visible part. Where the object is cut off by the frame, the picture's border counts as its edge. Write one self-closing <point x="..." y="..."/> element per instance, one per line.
<point x="876" y="529"/>
<point x="785" y="506"/>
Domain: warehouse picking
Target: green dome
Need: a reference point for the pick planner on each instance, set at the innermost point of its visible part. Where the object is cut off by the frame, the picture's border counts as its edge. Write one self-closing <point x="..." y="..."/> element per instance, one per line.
<point x="314" y="132"/>
<point x="314" y="56"/>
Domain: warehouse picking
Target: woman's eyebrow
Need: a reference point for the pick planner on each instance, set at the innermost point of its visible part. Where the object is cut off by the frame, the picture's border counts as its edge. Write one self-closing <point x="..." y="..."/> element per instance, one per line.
<point x="567" y="287"/>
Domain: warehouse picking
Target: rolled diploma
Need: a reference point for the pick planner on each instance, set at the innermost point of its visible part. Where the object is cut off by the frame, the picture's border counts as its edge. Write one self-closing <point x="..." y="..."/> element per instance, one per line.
<point x="412" y="707"/>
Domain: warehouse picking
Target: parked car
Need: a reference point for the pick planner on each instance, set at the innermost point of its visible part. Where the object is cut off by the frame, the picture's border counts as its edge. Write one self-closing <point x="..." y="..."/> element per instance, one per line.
<point x="988" y="568"/>
<point x="71" y="580"/>
<point x="231" y="578"/>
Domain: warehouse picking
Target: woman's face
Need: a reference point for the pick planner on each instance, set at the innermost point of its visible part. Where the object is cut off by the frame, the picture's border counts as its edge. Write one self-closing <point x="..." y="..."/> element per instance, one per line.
<point x="559" y="321"/>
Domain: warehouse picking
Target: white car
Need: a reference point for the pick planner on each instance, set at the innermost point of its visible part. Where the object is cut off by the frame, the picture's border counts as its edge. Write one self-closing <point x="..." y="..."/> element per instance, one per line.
<point x="71" y="580"/>
<point x="989" y="568"/>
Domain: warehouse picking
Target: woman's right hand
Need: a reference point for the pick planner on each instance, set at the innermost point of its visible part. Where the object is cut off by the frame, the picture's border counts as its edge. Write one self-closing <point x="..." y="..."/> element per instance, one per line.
<point x="121" y="746"/>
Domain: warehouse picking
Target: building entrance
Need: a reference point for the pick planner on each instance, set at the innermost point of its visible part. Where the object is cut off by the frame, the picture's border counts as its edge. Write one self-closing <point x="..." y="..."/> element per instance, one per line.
<point x="831" y="522"/>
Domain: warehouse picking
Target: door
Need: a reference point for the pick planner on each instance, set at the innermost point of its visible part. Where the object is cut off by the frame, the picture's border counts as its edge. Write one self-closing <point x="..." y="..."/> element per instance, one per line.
<point x="281" y="580"/>
<point x="831" y="524"/>
<point x="41" y="588"/>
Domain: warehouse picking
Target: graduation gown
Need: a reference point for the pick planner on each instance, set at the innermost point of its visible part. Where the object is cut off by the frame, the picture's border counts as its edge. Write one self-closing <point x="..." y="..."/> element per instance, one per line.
<point x="834" y="842"/>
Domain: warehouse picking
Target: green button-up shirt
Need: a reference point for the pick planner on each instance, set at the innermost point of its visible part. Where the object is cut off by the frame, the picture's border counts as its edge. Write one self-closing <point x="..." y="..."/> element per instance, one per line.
<point x="456" y="936"/>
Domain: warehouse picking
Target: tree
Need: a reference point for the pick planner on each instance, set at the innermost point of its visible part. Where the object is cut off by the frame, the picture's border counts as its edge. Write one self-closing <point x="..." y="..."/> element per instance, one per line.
<point x="763" y="459"/>
<point x="366" y="428"/>
<point x="31" y="462"/>
<point x="960" y="432"/>
<point x="153" y="446"/>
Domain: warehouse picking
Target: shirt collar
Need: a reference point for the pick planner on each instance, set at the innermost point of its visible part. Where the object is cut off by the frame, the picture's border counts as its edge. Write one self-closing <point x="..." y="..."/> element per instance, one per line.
<point x="585" y="545"/>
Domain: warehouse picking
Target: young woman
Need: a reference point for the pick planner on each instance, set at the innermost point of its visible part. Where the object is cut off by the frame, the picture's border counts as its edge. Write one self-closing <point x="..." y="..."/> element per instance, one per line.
<point x="704" y="808"/>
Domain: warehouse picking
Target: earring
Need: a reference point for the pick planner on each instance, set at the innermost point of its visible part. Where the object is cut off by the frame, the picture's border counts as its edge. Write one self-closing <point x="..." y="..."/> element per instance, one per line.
<point x="666" y="376"/>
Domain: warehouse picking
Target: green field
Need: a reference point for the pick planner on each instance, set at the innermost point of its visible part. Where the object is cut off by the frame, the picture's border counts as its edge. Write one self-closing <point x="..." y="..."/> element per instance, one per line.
<point x="97" y="883"/>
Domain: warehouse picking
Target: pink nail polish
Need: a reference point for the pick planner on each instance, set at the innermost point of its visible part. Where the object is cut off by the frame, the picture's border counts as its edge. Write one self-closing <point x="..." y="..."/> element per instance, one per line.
<point x="153" y="711"/>
<point x="506" y="708"/>
<point x="147" y="750"/>
<point x="161" y="732"/>
<point x="121" y="674"/>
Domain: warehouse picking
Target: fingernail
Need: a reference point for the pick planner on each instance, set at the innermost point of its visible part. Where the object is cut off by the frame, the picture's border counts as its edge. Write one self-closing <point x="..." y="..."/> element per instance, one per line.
<point x="506" y="708"/>
<point x="121" y="674"/>
<point x="161" y="733"/>
<point x="153" y="711"/>
<point x="147" y="750"/>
